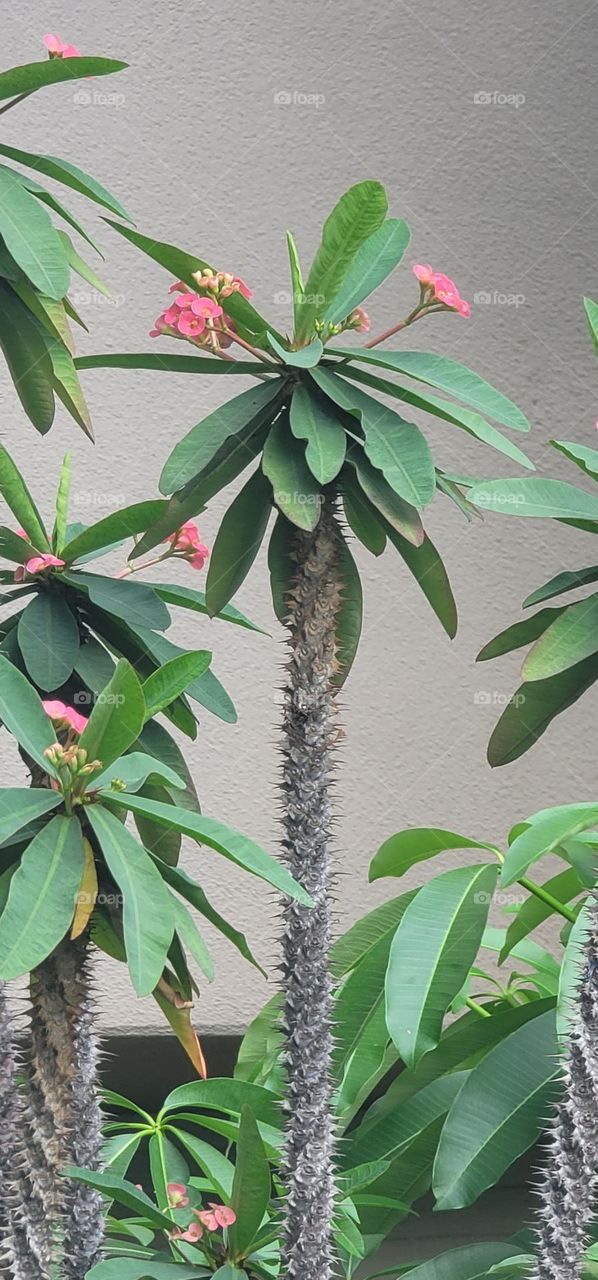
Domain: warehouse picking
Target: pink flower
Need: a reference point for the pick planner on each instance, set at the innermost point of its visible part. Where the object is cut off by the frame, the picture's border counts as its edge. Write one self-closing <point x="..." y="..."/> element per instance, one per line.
<point x="217" y="1215"/>
<point x="360" y="320"/>
<point x="186" y="543"/>
<point x="190" y="325"/>
<point x="64" y="717"/>
<point x="424" y="273"/>
<point x="177" y="1195"/>
<point x="58" y="49"/>
<point x="440" y="288"/>
<point x="46" y="561"/>
<point x="242" y="288"/>
<point x="193" y="1233"/>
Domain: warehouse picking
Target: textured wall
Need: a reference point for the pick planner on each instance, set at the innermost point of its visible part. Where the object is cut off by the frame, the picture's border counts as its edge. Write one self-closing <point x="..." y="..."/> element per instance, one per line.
<point x="233" y="123"/>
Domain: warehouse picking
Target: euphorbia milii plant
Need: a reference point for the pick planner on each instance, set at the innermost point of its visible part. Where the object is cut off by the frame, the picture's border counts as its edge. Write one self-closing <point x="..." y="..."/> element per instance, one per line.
<point x="320" y="446"/>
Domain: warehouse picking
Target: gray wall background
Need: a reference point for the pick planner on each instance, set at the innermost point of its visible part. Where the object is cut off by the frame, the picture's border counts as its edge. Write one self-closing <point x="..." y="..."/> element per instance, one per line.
<point x="233" y="123"/>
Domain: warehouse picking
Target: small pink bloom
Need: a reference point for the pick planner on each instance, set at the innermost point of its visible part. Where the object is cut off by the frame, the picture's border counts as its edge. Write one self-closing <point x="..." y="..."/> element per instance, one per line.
<point x="217" y="1215"/>
<point x="205" y="307"/>
<point x="58" y="49"/>
<point x="242" y="287"/>
<point x="464" y="308"/>
<point x="424" y="273"/>
<point x="75" y="720"/>
<point x="199" y="557"/>
<point x="179" y="287"/>
<point x="46" y="561"/>
<point x="190" y="325"/>
<point x="64" y="717"/>
<point x="442" y="288"/>
<point x="193" y="1233"/>
<point x="360" y="320"/>
<point x="177" y="1195"/>
<point x="54" y="709"/>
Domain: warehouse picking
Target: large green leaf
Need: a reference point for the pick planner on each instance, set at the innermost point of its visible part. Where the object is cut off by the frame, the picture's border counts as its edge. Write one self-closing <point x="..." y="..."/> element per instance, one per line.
<point x="349" y="615"/>
<point x="375" y="259"/>
<point x="572" y="637"/>
<point x="417" y="844"/>
<point x="447" y="375"/>
<point x="400" y="514"/>
<point x="171" y="680"/>
<point x="115" y="1188"/>
<point x="164" y="362"/>
<point x="120" y="1268"/>
<point x="358" y="213"/>
<point x="432" y="952"/>
<point x="134" y="769"/>
<point x="545" y="831"/>
<point x="188" y="889"/>
<point x="207" y="690"/>
<point x="312" y="420"/>
<point x="117" y="717"/>
<point x="27" y="358"/>
<point x="395" y="1131"/>
<point x="199" y="447"/>
<point x="17" y="496"/>
<point x="518" y="634"/>
<point x="191" y="939"/>
<point x="134" y="602"/>
<point x="427" y="568"/>
<point x="301" y="358"/>
<point x="148" y="916"/>
<point x="296" y="492"/>
<point x="360" y="515"/>
<point x="395" y="446"/>
<point x="230" y="1096"/>
<point x="48" y="636"/>
<point x="189" y="598"/>
<point x="568" y="580"/>
<point x="66" y="385"/>
<point x="583" y="457"/>
<point x="238" y="541"/>
<point x="534" y="706"/>
<point x="21" y="805"/>
<point x="36" y="75"/>
<point x="499" y="1113"/>
<point x="468" y="1262"/>
<point x="21" y="712"/>
<point x="354" y="945"/>
<point x="225" y="840"/>
<point x="535" y="496"/>
<point x="211" y="1161"/>
<point x="30" y="237"/>
<point x="69" y="175"/>
<point x="251" y="1185"/>
<point x="42" y="895"/>
<point x="121" y="524"/>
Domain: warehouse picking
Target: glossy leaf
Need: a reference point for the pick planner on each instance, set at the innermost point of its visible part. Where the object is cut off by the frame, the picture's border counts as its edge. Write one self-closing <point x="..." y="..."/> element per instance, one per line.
<point x="238" y="541"/>
<point x="207" y="690"/>
<point x="21" y="805"/>
<point x="134" y="602"/>
<point x="229" y="1096"/>
<point x="62" y="505"/>
<point x="566" y="581"/>
<point x="17" y="496"/>
<point x="199" y="447"/>
<point x="117" y="717"/>
<point x="296" y="492"/>
<point x="42" y="896"/>
<point x="115" y="1188"/>
<point x="69" y="175"/>
<point x="30" y="237"/>
<point x="518" y="634"/>
<point x="400" y="514"/>
<point x="301" y="357"/>
<point x="433" y="950"/>
<point x="358" y="213"/>
<point x="21" y="712"/>
<point x="533" y="912"/>
<point x="210" y="1160"/>
<point x="571" y="637"/>
<point x="361" y="516"/>
<point x="134" y="769"/>
<point x="349" y="615"/>
<point x="37" y="75"/>
<point x="534" y="706"/>
<point x="535" y="496"/>
<point x="447" y="375"/>
<point x="121" y="524"/>
<point x="546" y="830"/>
<point x="375" y="259"/>
<point x="191" y="938"/>
<point x="27" y="359"/>
<point x="417" y="844"/>
<point x="225" y="840"/>
<point x="189" y="598"/>
<point x="499" y="1113"/>
<point x="164" y="362"/>
<point x="148" y="918"/>
<point x="312" y="420"/>
<point x="49" y="640"/>
<point x="427" y="568"/>
<point x="66" y="385"/>
<point x="194" y="894"/>
<point x="468" y="1262"/>
<point x="251" y="1185"/>
<point x="171" y="680"/>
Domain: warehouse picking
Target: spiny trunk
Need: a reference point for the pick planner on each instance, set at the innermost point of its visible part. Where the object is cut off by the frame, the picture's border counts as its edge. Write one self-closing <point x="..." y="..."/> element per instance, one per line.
<point x="62" y="1114"/>
<point x="19" y="1209"/>
<point x="569" y="1183"/>
<point x="308" y="738"/>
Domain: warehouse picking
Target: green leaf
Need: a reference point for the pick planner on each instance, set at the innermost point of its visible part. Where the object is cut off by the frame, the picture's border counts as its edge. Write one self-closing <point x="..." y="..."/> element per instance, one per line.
<point x="401" y="515"/>
<point x="396" y="1131"/>
<point x="207" y="690"/>
<point x="281" y="566"/>
<point x="30" y="237"/>
<point x="166" y="363"/>
<point x="518" y="634"/>
<point x="566" y="581"/>
<point x="354" y="945"/>
<point x="533" y="912"/>
<point x="583" y="457"/>
<point x="139" y="1269"/>
<point x="297" y="285"/>
<point x="27" y="358"/>
<point x="62" y="505"/>
<point x="417" y="844"/>
<point x="94" y="664"/>
<point x="121" y="524"/>
<point x="125" y="1193"/>
<point x="66" y="384"/>
<point x="171" y="680"/>
<point x="70" y="176"/>
<point x="81" y="267"/>
<point x="17" y="496"/>
<point x="535" y="496"/>
<point x="201" y="445"/>
<point x="395" y="446"/>
<point x="447" y="375"/>
<point x="117" y="717"/>
<point x="238" y="541"/>
<point x="118" y="1152"/>
<point x="135" y="602"/>
<point x="499" y="1113"/>
<point x="349" y="615"/>
<point x="571" y="637"/>
<point x="49" y="640"/>
<point x="36" y="75"/>
<point x="546" y="830"/>
<point x="210" y="1161"/>
<point x="225" y="840"/>
<point x="358" y="213"/>
<point x="303" y="358"/>
<point x="427" y="568"/>
<point x="469" y="1262"/>
<point x="375" y="259"/>
<point x="21" y="712"/>
<point x="148" y="917"/>
<point x="534" y="706"/>
<point x="591" y="309"/>
<point x="49" y="199"/>
<point x="312" y="420"/>
<point x="229" y="1096"/>
<point x="296" y="492"/>
<point x="191" y="938"/>
<point x="432" y="952"/>
<point x="189" y="598"/>
<point x="134" y="769"/>
<point x="251" y="1185"/>
<point x="42" y="895"/>
<point x="188" y="889"/>
<point x="361" y="516"/>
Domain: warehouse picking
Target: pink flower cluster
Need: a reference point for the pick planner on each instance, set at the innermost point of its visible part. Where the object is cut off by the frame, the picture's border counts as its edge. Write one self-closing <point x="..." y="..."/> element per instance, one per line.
<point x="187" y="544"/>
<point x="359" y="320"/>
<point x="58" y="49"/>
<point x="64" y="717"/>
<point x="440" y="288"/>
<point x="215" y="1217"/>
<point x="199" y="317"/>
<point x="38" y="563"/>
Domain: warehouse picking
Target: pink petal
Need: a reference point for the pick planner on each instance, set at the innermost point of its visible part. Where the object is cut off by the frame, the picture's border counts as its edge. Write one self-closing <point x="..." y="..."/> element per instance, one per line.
<point x="54" y="709"/>
<point x="53" y="43"/>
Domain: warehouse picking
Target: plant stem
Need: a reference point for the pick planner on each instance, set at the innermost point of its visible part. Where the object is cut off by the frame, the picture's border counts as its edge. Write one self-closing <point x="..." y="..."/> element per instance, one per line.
<point x="414" y="315"/>
<point x="477" y="1008"/>
<point x="254" y="351"/>
<point x="540" y="892"/>
<point x="15" y="101"/>
<point x="20" y="1210"/>
<point x="308" y="737"/>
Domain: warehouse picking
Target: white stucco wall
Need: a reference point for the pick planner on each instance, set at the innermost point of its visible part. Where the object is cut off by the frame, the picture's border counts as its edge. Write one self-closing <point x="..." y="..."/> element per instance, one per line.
<point x="200" y="140"/>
